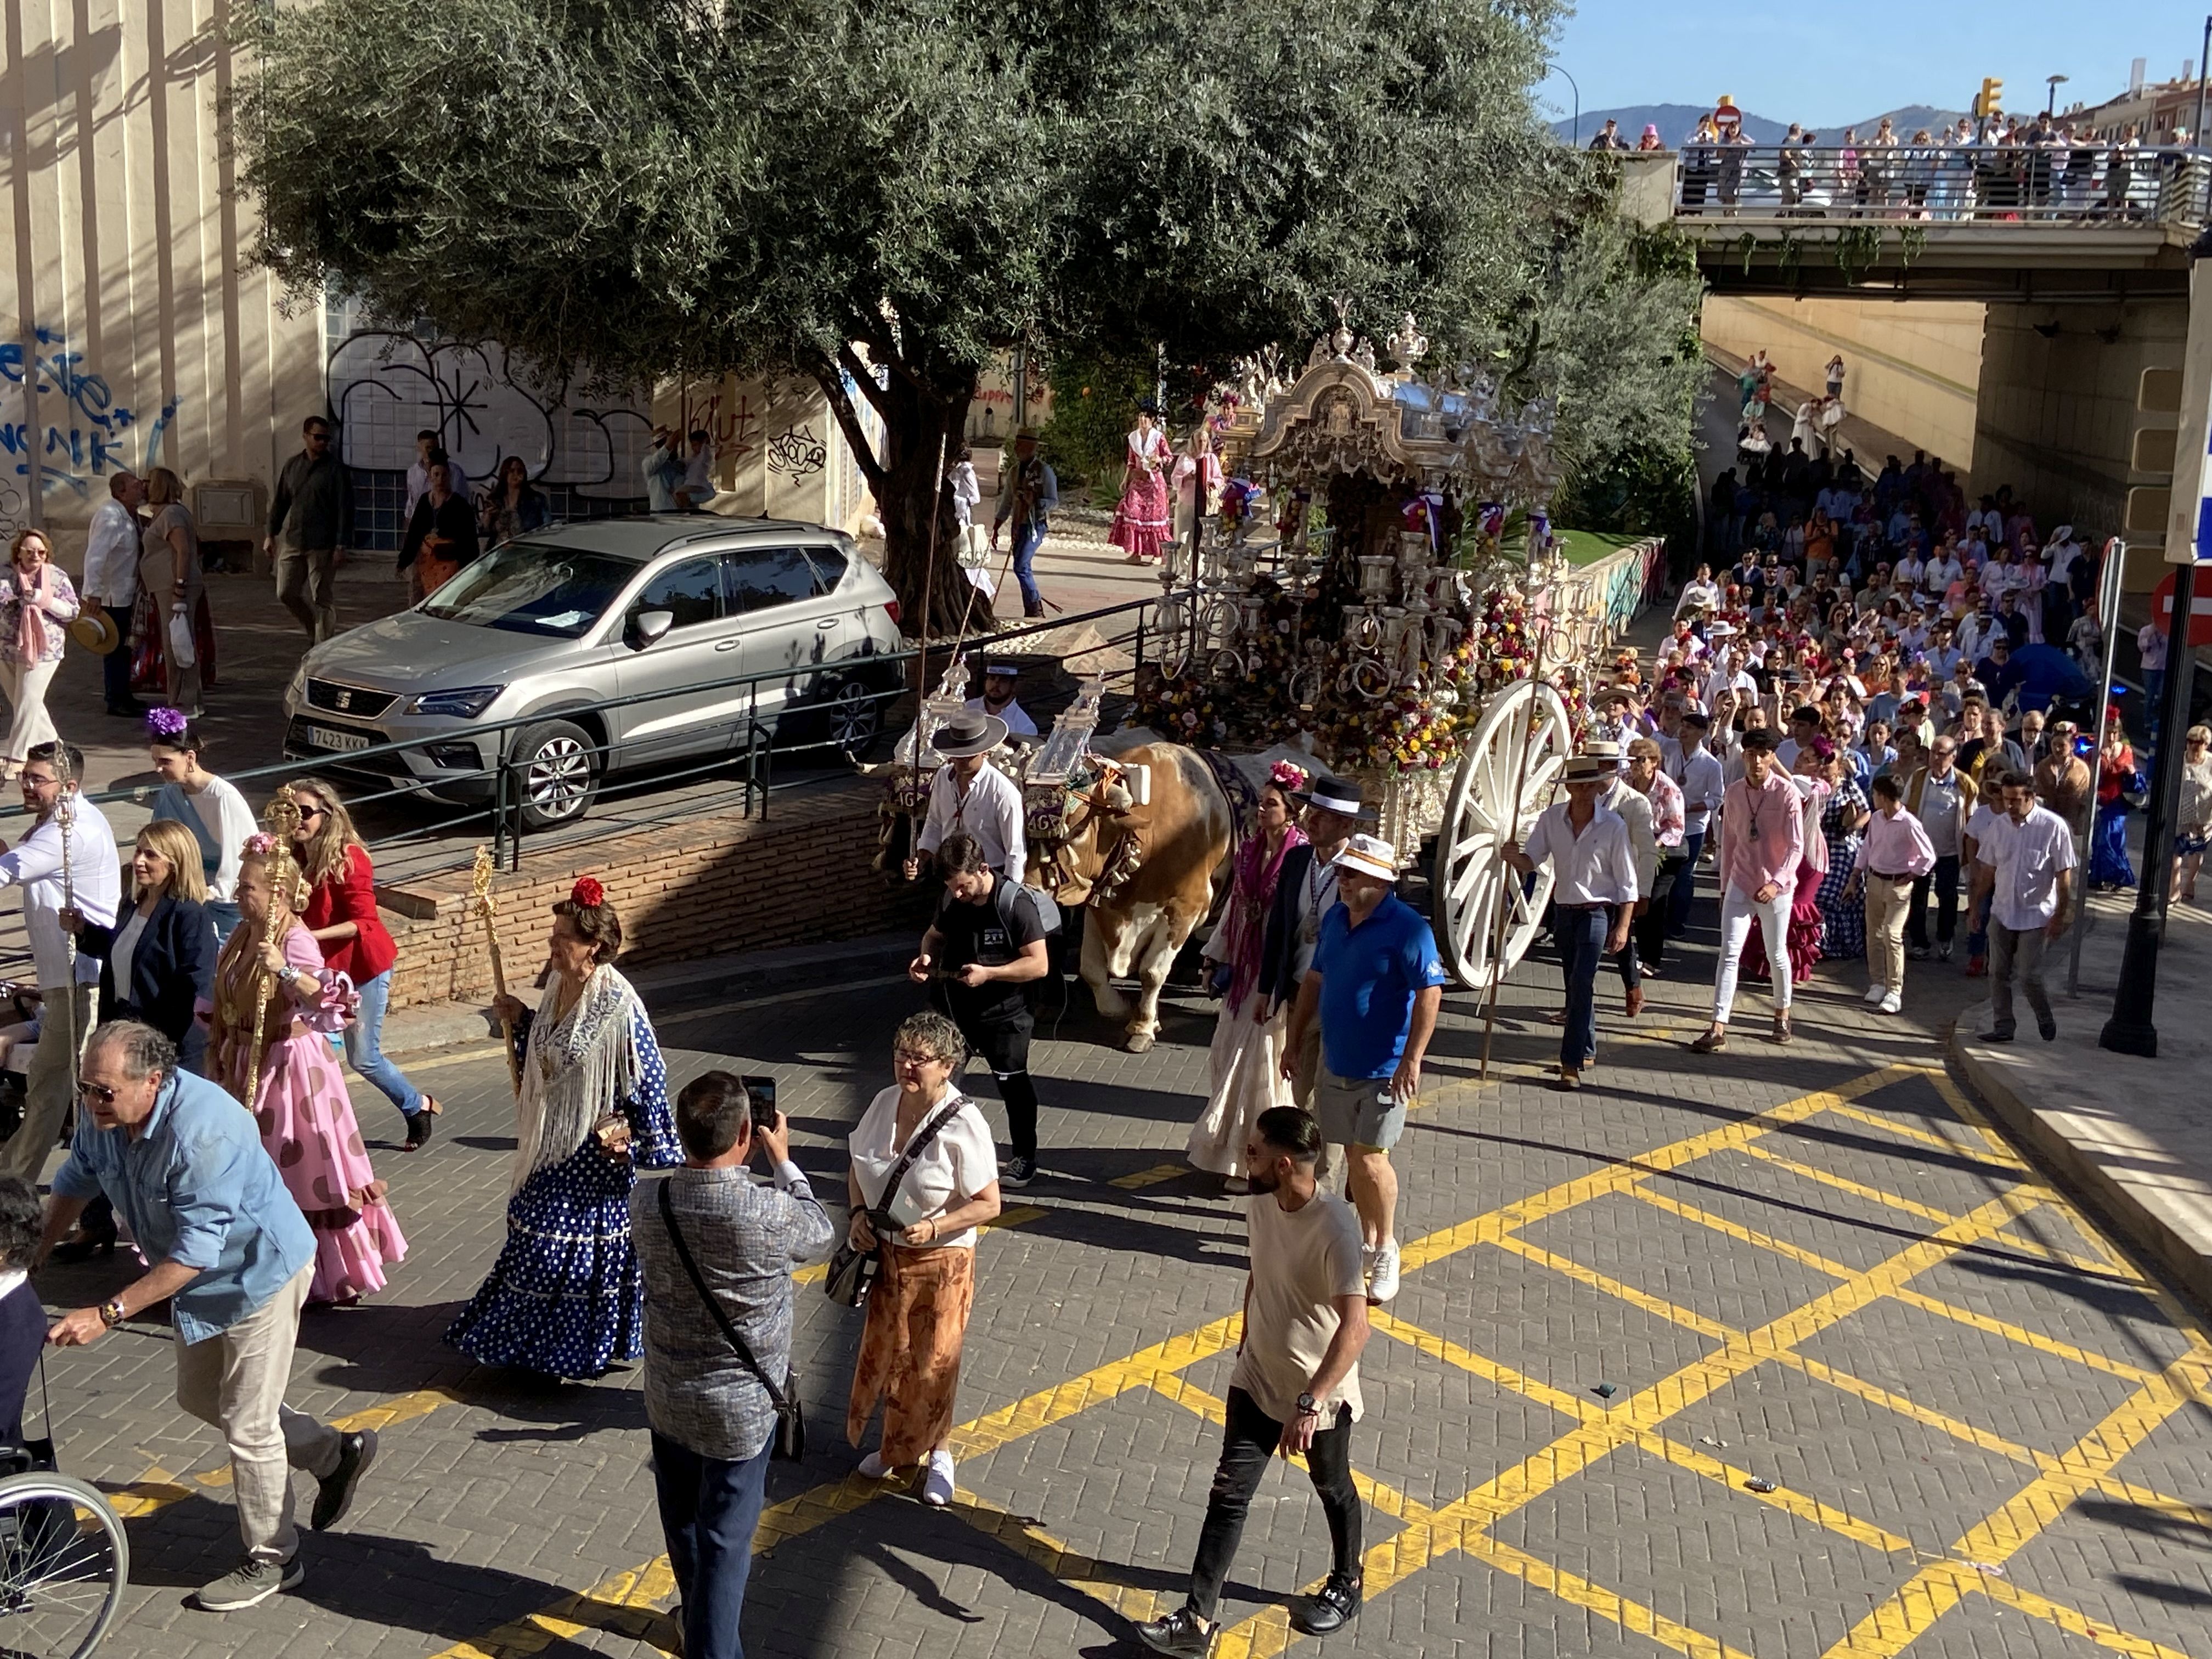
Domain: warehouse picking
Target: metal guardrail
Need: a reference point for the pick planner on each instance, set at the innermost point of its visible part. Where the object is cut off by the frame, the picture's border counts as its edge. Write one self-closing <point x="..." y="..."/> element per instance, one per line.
<point x="750" y="747"/>
<point x="2076" y="184"/>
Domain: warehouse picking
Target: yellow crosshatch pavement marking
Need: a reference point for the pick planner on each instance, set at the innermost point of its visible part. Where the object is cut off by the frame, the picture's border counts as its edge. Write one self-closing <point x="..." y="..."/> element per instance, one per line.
<point x="625" y="1601"/>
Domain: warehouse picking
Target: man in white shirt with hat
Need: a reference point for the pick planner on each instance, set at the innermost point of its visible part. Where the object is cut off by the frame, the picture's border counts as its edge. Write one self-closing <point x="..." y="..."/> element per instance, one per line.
<point x="111" y="581"/>
<point x="1594" y="862"/>
<point x="971" y="793"/>
<point x="998" y="699"/>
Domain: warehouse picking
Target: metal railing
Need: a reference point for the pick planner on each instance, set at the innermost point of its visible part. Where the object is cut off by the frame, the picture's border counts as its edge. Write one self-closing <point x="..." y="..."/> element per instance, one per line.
<point x="2079" y="184"/>
<point x="740" y="743"/>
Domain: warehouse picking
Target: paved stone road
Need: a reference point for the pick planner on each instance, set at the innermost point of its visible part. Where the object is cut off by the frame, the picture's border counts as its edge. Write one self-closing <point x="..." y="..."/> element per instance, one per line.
<point x="1985" y="1429"/>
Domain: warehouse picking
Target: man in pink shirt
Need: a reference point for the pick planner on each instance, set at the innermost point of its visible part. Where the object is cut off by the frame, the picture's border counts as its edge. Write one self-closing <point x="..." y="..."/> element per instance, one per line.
<point x="1762" y="839"/>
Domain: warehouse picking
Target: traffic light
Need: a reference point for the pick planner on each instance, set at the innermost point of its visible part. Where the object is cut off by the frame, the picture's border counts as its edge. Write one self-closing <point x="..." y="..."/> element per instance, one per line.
<point x="1991" y="99"/>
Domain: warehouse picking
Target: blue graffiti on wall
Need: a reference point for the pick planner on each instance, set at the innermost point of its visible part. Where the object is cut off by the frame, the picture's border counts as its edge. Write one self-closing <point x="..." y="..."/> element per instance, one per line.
<point x="86" y="429"/>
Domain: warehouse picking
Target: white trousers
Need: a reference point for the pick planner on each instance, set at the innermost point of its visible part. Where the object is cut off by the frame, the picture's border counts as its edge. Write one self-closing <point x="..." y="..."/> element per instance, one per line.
<point x="25" y="685"/>
<point x="1737" y="909"/>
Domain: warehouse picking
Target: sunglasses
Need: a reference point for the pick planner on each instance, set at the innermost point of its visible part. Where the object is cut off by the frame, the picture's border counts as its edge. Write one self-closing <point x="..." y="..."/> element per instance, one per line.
<point x="99" y="1093"/>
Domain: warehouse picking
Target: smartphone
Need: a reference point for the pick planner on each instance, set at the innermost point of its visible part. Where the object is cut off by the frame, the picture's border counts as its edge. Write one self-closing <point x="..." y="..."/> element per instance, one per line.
<point x="763" y="1092"/>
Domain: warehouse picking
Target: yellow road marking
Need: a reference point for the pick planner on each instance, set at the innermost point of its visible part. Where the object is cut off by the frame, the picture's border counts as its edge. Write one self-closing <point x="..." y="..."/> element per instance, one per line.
<point x="2003" y="1156"/>
<point x="1150" y="1177"/>
<point x="1100" y="1580"/>
<point x="1936" y="1589"/>
<point x="2066" y="1618"/>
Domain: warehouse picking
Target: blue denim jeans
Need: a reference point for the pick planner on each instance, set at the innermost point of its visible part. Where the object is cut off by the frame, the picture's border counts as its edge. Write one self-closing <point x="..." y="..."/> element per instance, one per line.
<point x="1582" y="946"/>
<point x="1685" y="886"/>
<point x="364" y="1047"/>
<point x="708" y="1509"/>
<point x="1028" y="538"/>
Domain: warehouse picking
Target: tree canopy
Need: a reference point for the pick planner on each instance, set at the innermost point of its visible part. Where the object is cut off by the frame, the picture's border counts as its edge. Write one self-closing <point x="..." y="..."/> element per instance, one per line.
<point x="882" y="194"/>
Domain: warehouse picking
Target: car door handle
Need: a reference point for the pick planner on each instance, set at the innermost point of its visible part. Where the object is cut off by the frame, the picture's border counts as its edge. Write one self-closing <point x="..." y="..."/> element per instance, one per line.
<point x="727" y="645"/>
<point x="827" y="624"/>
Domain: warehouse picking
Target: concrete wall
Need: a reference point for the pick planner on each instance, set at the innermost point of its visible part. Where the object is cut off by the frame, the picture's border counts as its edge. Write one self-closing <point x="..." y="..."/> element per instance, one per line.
<point x="136" y="333"/>
<point x="777" y="447"/>
<point x="1913" y="369"/>
<point x="2058" y="406"/>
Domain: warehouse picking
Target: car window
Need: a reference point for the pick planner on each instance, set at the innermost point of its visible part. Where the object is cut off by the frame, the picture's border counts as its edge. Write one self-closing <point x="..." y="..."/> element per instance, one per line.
<point x="689" y="591"/>
<point x="829" y="568"/>
<point x="527" y="587"/>
<point x="757" y="579"/>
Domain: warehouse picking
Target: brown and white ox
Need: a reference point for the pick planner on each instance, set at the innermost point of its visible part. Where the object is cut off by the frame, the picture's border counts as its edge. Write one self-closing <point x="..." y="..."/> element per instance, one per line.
<point x="1146" y="873"/>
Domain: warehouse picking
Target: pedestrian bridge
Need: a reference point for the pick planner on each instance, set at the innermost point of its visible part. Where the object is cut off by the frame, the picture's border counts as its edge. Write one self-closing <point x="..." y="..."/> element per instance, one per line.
<point x="1997" y="224"/>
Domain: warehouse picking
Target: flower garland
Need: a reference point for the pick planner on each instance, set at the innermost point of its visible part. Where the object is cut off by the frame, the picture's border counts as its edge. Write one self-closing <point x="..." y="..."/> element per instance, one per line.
<point x="1409" y="731"/>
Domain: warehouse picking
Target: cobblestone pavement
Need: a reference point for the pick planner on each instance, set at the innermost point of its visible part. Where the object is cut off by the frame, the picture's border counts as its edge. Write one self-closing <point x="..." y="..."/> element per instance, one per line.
<point x="1984" y="1429"/>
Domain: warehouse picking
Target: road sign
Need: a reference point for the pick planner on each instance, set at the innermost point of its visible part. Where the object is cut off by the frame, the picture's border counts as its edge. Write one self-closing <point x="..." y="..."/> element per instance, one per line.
<point x="2200" y="613"/>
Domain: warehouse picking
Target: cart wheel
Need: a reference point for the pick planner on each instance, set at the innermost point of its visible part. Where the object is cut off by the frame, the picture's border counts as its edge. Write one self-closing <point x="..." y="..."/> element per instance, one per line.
<point x="64" y="1562"/>
<point x="1520" y="746"/>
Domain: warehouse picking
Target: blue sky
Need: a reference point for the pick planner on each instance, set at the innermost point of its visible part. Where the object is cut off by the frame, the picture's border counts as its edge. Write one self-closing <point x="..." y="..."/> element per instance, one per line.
<point x="1825" y="66"/>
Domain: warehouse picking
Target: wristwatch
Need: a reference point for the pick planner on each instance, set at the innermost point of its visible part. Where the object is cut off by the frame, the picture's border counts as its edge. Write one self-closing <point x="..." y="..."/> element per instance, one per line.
<point x="111" y="1312"/>
<point x="1307" y="1405"/>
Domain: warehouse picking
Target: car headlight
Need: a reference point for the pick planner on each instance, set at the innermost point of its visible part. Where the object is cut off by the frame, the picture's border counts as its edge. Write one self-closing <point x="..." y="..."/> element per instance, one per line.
<point x="465" y="704"/>
<point x="298" y="689"/>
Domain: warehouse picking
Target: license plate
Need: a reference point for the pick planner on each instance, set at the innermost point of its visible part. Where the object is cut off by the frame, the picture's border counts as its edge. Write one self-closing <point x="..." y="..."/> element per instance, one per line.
<point x="329" y="736"/>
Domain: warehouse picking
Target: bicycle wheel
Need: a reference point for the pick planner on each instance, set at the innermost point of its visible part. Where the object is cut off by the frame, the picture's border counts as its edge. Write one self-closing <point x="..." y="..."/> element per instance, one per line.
<point x="64" y="1562"/>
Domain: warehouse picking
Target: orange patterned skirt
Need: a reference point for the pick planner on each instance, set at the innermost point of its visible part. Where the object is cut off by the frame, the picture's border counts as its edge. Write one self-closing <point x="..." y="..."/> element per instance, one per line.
<point x="910" y="1350"/>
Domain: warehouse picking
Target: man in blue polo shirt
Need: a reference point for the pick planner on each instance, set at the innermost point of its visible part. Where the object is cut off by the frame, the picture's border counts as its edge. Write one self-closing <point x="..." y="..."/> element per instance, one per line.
<point x="1375" y="985"/>
<point x="233" y="1256"/>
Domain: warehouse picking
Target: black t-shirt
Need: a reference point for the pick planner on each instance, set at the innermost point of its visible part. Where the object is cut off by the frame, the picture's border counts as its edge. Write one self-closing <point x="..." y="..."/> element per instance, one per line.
<point x="994" y="933"/>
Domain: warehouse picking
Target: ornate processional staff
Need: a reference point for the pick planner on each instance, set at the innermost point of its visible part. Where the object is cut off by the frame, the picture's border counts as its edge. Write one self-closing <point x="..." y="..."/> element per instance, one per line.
<point x="480" y="895"/>
<point x="65" y="817"/>
<point x="281" y="818"/>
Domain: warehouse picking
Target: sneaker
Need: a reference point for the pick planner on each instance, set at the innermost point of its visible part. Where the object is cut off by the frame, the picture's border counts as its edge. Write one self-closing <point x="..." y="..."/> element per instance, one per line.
<point x="1891" y="1003"/>
<point x="1182" y="1634"/>
<point x="1943" y="950"/>
<point x="1919" y="952"/>
<point x="2004" y="1036"/>
<point x="251" y="1583"/>
<point x="334" y="1496"/>
<point x="2047" y="1028"/>
<point x="937" y="1485"/>
<point x="1333" y="1605"/>
<point x="1382" y="1276"/>
<point x="1017" y="1172"/>
<point x="1876" y="992"/>
<point x="872" y="1467"/>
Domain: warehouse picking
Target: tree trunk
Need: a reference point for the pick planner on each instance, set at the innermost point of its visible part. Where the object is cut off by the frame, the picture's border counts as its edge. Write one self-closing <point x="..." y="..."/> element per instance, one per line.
<point x="923" y="431"/>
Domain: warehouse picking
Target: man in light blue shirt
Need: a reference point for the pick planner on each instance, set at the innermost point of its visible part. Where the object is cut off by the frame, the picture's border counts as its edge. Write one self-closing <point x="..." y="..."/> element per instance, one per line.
<point x="232" y="1255"/>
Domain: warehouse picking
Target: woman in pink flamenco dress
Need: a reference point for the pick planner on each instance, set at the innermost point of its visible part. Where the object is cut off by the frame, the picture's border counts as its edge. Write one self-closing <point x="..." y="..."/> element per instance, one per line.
<point x="300" y="1098"/>
<point x="1140" y="522"/>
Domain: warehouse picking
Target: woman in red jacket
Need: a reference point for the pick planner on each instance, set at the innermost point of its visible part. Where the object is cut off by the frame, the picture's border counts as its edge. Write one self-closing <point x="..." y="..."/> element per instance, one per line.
<point x="341" y="913"/>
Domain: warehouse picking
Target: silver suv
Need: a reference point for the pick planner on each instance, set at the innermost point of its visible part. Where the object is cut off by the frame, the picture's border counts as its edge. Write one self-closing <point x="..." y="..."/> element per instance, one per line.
<point x="550" y="628"/>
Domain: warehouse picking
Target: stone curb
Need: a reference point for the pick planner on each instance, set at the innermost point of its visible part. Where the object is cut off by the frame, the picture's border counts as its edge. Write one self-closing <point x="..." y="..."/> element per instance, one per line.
<point x="2164" y="1209"/>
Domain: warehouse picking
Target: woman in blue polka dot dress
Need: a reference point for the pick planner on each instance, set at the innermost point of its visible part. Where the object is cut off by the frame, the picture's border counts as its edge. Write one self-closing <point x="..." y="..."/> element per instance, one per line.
<point x="565" y="1298"/>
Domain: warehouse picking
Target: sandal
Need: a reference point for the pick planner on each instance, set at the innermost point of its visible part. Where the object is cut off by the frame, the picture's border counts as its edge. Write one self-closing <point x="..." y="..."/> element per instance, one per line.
<point x="1711" y="1043"/>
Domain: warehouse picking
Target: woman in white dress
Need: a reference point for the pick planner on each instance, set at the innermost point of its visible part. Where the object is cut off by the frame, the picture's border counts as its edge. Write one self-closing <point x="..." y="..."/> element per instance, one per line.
<point x="1244" y="1070"/>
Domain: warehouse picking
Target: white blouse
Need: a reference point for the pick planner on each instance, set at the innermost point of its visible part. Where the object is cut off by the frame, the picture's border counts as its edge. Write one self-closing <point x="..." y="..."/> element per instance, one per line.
<point x="957" y="1165"/>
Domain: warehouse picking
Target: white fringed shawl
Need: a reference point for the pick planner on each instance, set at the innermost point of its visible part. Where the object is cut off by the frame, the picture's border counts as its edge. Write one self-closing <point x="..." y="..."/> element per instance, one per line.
<point x="574" y="1071"/>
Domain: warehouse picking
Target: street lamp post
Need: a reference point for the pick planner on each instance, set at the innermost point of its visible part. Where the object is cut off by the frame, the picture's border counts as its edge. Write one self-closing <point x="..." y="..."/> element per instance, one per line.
<point x="2051" y="98"/>
<point x="1576" y="129"/>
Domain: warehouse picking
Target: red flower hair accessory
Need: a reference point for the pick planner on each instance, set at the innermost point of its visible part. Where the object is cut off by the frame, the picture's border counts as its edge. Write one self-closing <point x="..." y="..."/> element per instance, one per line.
<point x="1284" y="775"/>
<point x="588" y="894"/>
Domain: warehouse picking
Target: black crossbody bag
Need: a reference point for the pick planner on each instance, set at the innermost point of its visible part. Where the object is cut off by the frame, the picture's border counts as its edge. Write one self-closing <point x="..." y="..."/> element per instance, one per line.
<point x="853" y="1272"/>
<point x="788" y="1444"/>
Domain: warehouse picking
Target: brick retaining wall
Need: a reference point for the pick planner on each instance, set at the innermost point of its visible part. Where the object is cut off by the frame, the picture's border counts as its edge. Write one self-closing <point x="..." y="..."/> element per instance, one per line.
<point x="689" y="888"/>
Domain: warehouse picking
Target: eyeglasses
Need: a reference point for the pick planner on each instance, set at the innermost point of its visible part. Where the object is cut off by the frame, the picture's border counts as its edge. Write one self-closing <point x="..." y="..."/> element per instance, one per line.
<point x="916" y="1057"/>
<point x="98" y="1092"/>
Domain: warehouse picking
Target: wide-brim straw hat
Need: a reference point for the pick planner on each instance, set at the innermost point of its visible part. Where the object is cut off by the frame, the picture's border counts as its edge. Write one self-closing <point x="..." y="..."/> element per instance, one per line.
<point x="1591" y="768"/>
<point x="95" y="630"/>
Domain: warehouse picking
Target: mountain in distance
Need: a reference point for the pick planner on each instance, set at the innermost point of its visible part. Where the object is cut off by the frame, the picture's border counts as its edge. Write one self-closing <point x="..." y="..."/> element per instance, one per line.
<point x="1676" y="122"/>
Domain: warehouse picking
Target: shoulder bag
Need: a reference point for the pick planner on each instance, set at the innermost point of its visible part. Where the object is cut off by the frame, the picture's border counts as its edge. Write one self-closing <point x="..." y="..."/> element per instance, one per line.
<point x="853" y="1272"/>
<point x="789" y="1443"/>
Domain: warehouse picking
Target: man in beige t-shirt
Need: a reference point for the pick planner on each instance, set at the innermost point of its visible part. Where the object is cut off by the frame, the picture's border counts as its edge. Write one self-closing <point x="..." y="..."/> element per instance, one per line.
<point x="1296" y="1383"/>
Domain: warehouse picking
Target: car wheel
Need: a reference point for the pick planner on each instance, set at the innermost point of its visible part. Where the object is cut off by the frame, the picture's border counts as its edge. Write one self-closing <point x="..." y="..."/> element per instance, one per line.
<point x="557" y="768"/>
<point x="849" y="718"/>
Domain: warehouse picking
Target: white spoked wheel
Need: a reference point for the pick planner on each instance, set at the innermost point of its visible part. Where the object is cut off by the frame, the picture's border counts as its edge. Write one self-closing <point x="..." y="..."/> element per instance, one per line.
<point x="1519" y="749"/>
<point x="63" y="1563"/>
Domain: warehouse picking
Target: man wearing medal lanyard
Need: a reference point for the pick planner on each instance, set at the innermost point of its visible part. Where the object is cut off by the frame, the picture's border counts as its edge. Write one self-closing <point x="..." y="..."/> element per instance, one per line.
<point x="1304" y="892"/>
<point x="970" y="793"/>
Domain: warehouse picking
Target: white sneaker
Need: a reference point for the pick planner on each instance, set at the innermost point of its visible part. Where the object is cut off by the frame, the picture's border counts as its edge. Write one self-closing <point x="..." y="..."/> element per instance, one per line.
<point x="1876" y="992"/>
<point x="1382" y="1276"/>
<point x="1892" y="1003"/>
<point x="872" y="1467"/>
<point x="937" y="1485"/>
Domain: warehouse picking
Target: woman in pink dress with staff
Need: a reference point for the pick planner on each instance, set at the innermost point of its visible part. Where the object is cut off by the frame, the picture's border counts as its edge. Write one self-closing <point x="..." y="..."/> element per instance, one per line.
<point x="272" y="965"/>
<point x="1140" y="522"/>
